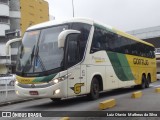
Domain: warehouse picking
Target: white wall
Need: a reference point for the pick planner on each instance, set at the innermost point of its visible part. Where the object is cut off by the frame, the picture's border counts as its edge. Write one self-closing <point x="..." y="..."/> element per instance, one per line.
<point x="15" y="14"/>
<point x="14" y="51"/>
<point x="4" y="10"/>
<point x="2" y="49"/>
<point x="3" y="27"/>
<point x="3" y="53"/>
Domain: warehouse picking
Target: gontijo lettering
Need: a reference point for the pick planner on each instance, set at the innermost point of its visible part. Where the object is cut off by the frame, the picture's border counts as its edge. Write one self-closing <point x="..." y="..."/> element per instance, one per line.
<point x="140" y="61"/>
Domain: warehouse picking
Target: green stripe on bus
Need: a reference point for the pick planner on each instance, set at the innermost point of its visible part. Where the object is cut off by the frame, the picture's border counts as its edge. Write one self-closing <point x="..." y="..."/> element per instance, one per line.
<point x="120" y="66"/>
<point x="45" y="78"/>
<point x="126" y="67"/>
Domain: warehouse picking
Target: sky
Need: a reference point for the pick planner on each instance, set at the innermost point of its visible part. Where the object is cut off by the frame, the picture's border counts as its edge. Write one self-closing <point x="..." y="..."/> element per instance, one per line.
<point x="126" y="15"/>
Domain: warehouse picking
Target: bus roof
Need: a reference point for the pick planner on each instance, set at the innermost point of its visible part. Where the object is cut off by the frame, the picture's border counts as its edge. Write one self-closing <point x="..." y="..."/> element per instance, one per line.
<point x="55" y="22"/>
<point x="87" y="21"/>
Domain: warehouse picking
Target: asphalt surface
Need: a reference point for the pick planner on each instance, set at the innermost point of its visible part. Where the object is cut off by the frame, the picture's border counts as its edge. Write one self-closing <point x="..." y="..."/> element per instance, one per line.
<point x="150" y="101"/>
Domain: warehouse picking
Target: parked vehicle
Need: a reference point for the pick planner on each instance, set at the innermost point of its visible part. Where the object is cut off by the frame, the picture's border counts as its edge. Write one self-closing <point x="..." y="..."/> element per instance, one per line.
<point x="158" y="65"/>
<point x="158" y="75"/>
<point x="8" y="79"/>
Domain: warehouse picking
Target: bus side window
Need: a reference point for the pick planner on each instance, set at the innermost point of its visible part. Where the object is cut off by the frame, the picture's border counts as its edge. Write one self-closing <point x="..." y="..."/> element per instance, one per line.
<point x="85" y="30"/>
<point x="73" y="50"/>
<point x="96" y="46"/>
<point x="97" y="42"/>
<point x="111" y="41"/>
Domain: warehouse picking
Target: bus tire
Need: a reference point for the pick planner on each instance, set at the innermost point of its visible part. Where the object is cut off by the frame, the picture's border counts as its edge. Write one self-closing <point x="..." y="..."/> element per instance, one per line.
<point x="56" y="99"/>
<point x="94" y="90"/>
<point x="148" y="81"/>
<point x="143" y="84"/>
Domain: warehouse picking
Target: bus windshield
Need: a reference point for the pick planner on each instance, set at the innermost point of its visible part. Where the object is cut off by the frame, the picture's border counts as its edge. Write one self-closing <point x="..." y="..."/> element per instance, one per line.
<point x="39" y="51"/>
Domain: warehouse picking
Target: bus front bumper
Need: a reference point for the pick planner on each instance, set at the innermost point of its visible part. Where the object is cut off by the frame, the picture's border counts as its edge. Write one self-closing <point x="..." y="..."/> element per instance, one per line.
<point x="53" y="91"/>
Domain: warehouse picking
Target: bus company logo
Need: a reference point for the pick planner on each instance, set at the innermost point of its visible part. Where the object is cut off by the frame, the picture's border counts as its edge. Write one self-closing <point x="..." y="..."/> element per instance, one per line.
<point x="6" y="114"/>
<point x="140" y="61"/>
<point x="77" y="88"/>
<point x="25" y="80"/>
<point x="98" y="59"/>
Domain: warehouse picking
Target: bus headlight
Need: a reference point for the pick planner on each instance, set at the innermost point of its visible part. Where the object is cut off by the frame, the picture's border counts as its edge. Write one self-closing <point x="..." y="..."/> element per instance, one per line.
<point x="57" y="80"/>
<point x="16" y="82"/>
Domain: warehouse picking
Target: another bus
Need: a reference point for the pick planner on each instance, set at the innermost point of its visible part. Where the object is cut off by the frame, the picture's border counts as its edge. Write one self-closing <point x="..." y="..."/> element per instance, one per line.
<point x="158" y="65"/>
<point x="81" y="57"/>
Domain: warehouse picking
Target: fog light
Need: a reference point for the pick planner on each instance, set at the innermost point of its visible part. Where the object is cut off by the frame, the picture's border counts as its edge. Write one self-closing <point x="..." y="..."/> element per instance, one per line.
<point x="57" y="91"/>
<point x="16" y="82"/>
<point x="17" y="92"/>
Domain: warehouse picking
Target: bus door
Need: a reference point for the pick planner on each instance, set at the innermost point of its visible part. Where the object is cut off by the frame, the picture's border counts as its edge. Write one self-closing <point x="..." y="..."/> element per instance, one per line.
<point x="73" y="66"/>
<point x="74" y="81"/>
<point x="83" y="79"/>
<point x="77" y="80"/>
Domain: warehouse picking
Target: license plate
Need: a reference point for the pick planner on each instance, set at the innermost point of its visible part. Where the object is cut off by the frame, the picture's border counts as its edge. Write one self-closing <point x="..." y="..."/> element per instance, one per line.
<point x="33" y="92"/>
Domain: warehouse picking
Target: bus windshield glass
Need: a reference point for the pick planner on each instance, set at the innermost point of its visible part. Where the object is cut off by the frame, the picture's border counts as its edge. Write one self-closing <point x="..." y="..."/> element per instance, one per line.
<point x="39" y="51"/>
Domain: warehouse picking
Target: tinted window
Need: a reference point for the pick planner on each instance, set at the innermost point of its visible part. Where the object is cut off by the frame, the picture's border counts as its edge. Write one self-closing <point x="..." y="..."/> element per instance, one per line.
<point x="83" y="37"/>
<point x="106" y="40"/>
<point x="98" y="40"/>
<point x="73" y="49"/>
<point x="103" y="40"/>
<point x="111" y="41"/>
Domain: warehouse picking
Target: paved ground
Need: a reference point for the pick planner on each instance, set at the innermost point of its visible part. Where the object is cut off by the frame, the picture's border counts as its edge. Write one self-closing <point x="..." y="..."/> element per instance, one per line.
<point x="150" y="101"/>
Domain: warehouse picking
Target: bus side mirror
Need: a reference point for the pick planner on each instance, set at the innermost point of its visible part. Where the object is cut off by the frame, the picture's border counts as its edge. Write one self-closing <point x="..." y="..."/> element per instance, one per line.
<point x="63" y="35"/>
<point x="9" y="43"/>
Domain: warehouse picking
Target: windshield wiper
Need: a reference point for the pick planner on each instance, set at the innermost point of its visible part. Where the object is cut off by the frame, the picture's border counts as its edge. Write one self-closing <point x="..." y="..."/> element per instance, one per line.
<point x="31" y="56"/>
<point x="39" y="60"/>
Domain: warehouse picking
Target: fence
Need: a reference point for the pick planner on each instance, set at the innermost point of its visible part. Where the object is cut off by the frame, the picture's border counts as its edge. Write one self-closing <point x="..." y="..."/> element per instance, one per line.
<point x="7" y="91"/>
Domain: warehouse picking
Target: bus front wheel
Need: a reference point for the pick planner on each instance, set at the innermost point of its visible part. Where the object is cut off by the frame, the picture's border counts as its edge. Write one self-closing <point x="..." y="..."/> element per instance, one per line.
<point x="94" y="90"/>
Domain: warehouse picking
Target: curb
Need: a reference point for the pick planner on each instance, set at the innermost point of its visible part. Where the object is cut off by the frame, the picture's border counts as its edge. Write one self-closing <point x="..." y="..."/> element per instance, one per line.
<point x="137" y="94"/>
<point x="157" y="90"/>
<point x="16" y="101"/>
<point x="107" y="104"/>
<point x="65" y="118"/>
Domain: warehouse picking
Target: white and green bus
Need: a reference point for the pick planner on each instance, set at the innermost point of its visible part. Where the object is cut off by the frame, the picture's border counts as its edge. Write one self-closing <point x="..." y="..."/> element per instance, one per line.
<point x="81" y="57"/>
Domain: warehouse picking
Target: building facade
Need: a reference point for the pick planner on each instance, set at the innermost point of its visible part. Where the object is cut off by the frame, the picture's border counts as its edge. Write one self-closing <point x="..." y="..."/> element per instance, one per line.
<point x="15" y="17"/>
<point x="151" y="35"/>
<point x="4" y="25"/>
<point x="33" y="12"/>
<point x="4" y="17"/>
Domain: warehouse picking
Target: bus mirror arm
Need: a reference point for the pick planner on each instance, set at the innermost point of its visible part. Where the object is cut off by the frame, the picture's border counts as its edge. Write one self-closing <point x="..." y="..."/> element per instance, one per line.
<point x="63" y="35"/>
